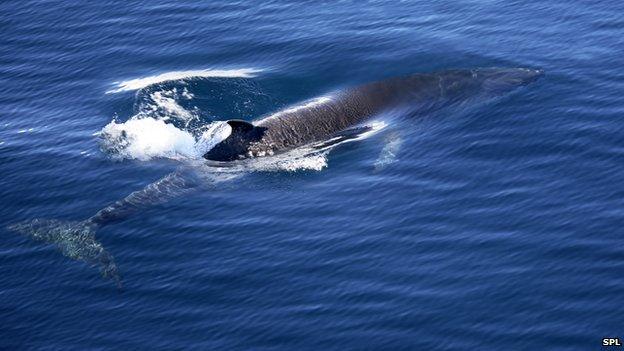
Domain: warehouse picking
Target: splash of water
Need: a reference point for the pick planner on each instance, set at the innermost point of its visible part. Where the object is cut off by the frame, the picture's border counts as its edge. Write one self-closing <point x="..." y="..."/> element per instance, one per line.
<point x="165" y="104"/>
<point x="147" y="138"/>
<point x="150" y="133"/>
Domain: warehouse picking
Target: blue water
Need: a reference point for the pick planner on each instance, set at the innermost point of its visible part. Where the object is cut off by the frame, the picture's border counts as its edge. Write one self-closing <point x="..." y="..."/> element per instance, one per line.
<point x="497" y="226"/>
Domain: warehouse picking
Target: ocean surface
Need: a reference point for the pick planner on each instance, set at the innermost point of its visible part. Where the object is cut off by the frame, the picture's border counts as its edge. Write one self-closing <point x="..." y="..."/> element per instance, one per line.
<point x="496" y="225"/>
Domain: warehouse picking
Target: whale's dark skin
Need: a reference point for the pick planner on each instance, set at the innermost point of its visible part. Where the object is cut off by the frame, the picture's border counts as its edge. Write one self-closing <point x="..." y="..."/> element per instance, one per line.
<point x="319" y="120"/>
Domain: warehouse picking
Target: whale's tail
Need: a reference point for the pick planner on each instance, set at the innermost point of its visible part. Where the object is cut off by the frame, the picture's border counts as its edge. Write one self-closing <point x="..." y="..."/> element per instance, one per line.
<point x="74" y="239"/>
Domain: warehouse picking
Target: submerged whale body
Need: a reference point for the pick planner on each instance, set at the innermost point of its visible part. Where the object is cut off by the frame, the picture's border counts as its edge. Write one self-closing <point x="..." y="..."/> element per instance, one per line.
<point x="327" y="116"/>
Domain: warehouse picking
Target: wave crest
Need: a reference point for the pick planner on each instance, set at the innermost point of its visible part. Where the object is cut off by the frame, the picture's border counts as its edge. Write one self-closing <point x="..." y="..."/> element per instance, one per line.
<point x="139" y="83"/>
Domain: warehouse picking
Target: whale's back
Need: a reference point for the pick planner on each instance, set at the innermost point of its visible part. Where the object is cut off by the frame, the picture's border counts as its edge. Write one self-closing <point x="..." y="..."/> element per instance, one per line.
<point x="325" y="116"/>
<point x="319" y="119"/>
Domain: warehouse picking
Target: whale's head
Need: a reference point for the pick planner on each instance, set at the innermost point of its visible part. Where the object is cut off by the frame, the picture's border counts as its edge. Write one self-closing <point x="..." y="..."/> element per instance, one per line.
<point x="238" y="143"/>
<point x="462" y="85"/>
<point x="495" y="81"/>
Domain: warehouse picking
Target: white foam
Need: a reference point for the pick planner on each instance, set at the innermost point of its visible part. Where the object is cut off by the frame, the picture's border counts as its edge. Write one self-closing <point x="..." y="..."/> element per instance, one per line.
<point x="164" y="102"/>
<point x="214" y="134"/>
<point x="139" y="83"/>
<point x="146" y="138"/>
<point x="160" y="129"/>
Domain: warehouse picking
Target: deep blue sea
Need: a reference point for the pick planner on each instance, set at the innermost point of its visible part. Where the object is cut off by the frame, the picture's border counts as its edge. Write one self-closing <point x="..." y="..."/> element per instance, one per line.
<point x="496" y="225"/>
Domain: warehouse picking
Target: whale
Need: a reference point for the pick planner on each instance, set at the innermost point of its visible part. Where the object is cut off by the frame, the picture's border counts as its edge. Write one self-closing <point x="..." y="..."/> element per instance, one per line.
<point x="329" y="119"/>
<point x="328" y="116"/>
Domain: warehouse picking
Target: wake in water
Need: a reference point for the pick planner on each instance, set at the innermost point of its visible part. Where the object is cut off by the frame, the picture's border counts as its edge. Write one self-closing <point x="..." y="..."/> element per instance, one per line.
<point x="163" y="128"/>
<point x="140" y="83"/>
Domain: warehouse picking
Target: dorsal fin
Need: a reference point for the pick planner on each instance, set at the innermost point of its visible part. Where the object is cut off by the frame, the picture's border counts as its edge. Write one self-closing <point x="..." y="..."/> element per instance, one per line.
<point x="237" y="144"/>
<point x="238" y="125"/>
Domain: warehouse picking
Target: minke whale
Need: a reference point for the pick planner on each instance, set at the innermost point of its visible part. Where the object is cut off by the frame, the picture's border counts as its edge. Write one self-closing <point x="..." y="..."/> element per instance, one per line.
<point x="329" y="116"/>
<point x="326" y="120"/>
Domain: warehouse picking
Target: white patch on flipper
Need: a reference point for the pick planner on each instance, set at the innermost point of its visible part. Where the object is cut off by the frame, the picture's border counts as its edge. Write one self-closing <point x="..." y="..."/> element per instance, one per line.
<point x="376" y="126"/>
<point x="388" y="154"/>
<point x="372" y="128"/>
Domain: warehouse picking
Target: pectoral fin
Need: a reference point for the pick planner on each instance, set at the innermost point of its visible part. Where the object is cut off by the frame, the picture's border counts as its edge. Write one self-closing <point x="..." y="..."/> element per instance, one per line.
<point x="347" y="134"/>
